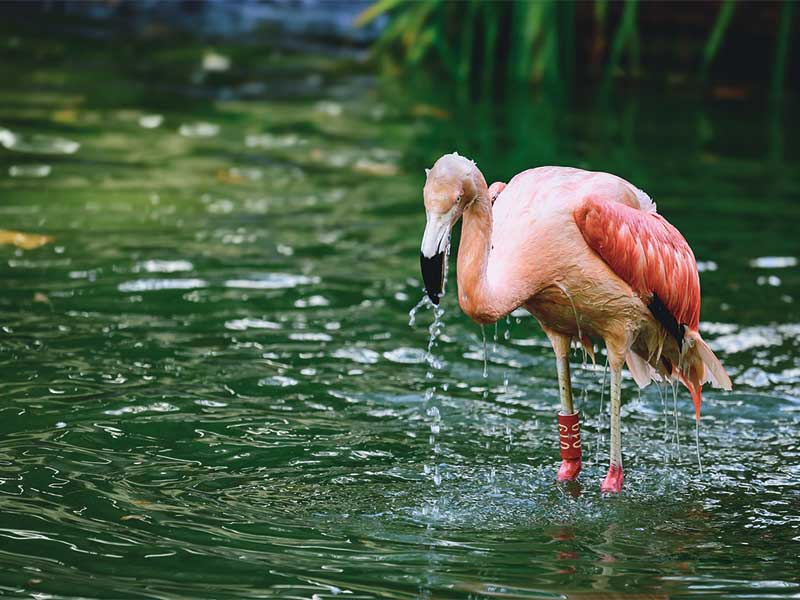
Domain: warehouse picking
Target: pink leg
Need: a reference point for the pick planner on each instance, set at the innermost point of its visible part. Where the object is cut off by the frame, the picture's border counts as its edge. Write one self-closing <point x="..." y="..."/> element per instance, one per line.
<point x="569" y="427"/>
<point x="613" y="481"/>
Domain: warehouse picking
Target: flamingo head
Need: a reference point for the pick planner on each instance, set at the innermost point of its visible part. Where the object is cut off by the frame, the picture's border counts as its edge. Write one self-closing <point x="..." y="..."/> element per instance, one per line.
<point x="451" y="184"/>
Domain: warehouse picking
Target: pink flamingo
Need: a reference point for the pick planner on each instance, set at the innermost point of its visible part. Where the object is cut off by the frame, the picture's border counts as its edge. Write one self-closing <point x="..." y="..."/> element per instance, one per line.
<point x="589" y="257"/>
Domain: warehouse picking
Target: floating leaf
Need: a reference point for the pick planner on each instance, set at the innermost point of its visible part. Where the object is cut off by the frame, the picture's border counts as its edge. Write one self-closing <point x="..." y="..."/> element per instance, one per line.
<point x="369" y="167"/>
<point x="26" y="241"/>
<point x="133" y="518"/>
<point x="429" y="110"/>
<point x="229" y="176"/>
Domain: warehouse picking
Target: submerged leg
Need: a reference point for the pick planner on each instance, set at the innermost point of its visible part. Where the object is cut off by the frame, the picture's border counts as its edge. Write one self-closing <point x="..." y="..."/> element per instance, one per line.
<point x="569" y="429"/>
<point x="613" y="480"/>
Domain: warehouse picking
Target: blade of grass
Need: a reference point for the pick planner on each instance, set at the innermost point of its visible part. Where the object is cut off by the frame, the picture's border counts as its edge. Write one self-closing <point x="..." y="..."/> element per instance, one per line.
<point x="782" y="48"/>
<point x="374" y="11"/>
<point x="468" y="40"/>
<point x="491" y="24"/>
<point x="566" y="43"/>
<point x="626" y="27"/>
<point x="724" y="16"/>
<point x="531" y="28"/>
<point x="418" y="16"/>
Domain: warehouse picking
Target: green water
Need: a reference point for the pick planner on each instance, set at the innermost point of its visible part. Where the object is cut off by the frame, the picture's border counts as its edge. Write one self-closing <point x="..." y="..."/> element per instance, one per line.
<point x="211" y="389"/>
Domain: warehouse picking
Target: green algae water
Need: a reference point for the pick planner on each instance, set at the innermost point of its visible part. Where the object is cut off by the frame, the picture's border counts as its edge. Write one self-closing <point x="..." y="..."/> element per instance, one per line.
<point x="210" y="388"/>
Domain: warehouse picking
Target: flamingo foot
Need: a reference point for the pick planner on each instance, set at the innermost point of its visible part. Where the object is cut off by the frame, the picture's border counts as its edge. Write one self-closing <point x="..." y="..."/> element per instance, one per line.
<point x="613" y="481"/>
<point x="569" y="469"/>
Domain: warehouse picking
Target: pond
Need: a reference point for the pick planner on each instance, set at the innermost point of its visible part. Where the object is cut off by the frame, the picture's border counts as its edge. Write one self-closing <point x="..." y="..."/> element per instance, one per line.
<point x="210" y="384"/>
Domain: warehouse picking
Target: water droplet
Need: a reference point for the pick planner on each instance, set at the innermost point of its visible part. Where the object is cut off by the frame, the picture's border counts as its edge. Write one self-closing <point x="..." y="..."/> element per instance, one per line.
<point x="485" y="353"/>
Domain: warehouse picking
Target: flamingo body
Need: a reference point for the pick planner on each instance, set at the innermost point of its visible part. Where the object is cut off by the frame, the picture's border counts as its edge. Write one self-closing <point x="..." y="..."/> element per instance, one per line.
<point x="589" y="257"/>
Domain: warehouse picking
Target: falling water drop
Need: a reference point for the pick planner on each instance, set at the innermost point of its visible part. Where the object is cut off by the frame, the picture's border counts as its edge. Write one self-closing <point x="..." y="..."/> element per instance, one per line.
<point x="412" y="314"/>
<point x="664" y="410"/>
<point x="697" y="444"/>
<point x="436" y="418"/>
<point x="675" y="414"/>
<point x="485" y="353"/>
<point x="434" y="332"/>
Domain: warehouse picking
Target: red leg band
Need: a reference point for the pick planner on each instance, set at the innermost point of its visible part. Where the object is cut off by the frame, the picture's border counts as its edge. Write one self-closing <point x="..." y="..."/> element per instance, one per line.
<point x="569" y="439"/>
<point x="569" y="436"/>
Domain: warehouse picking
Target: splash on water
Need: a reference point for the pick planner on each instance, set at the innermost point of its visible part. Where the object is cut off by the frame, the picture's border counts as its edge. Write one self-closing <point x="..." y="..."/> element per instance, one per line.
<point x="434" y="329"/>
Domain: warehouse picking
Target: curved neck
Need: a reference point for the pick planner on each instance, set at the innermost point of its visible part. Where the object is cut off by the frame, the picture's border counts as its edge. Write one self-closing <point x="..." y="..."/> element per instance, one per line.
<point x="474" y="295"/>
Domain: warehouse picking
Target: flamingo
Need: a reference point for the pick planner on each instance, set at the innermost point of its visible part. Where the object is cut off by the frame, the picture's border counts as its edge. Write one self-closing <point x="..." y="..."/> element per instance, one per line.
<point x="588" y="255"/>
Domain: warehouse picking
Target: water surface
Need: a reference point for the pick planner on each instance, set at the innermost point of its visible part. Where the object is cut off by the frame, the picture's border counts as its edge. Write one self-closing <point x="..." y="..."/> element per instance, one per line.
<point x="211" y="388"/>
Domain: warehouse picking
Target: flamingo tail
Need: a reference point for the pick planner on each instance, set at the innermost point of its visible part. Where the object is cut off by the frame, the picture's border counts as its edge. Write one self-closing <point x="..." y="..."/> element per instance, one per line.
<point x="698" y="366"/>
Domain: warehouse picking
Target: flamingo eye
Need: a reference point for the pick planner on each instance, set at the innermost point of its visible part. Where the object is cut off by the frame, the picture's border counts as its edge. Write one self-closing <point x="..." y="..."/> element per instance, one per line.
<point x="458" y="199"/>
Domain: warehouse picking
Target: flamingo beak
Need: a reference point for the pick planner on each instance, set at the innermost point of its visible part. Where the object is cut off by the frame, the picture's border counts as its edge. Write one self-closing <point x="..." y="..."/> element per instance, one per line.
<point x="433" y="253"/>
<point x="433" y="275"/>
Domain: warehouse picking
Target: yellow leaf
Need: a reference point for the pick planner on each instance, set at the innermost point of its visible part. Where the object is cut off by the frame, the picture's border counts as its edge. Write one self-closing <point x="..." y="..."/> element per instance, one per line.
<point x="67" y="115"/>
<point x="368" y="167"/>
<point x="428" y="110"/>
<point x="374" y="11"/>
<point x="133" y="518"/>
<point x="229" y="176"/>
<point x="26" y="241"/>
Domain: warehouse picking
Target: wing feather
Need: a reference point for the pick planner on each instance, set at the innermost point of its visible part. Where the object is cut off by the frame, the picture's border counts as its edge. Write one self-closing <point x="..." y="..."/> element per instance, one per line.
<point x="646" y="251"/>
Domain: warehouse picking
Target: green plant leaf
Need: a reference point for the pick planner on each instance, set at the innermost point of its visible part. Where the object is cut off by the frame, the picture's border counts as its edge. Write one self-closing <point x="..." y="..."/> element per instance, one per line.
<point x="374" y="11"/>
<point x="717" y="34"/>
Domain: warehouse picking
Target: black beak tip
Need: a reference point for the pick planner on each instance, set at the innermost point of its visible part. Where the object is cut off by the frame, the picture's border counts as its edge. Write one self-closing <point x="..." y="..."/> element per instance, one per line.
<point x="433" y="275"/>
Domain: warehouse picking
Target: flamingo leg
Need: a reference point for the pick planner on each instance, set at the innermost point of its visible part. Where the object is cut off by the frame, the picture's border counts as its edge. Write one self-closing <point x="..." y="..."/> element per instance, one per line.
<point x="568" y="417"/>
<point x="613" y="480"/>
<point x="564" y="384"/>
